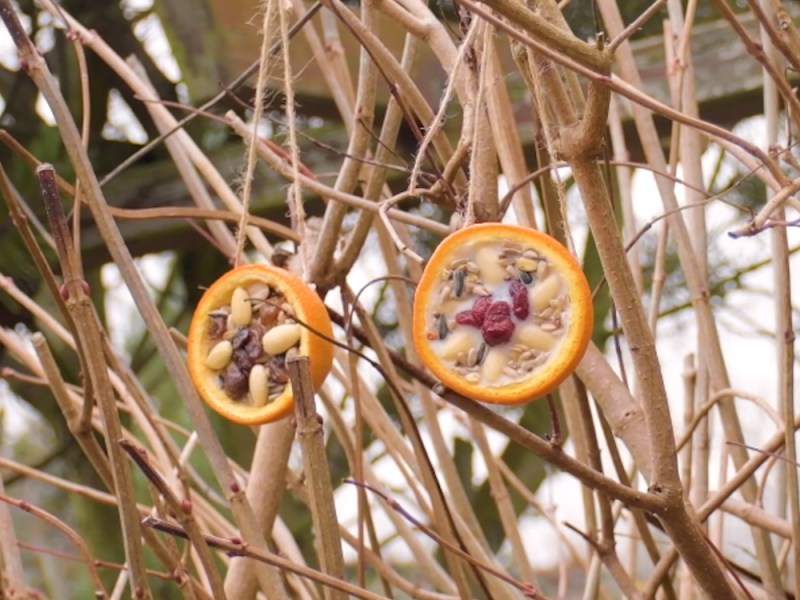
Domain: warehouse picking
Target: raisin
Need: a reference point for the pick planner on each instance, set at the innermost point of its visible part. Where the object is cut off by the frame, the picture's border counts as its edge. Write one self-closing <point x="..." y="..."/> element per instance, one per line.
<point x="497" y="326"/>
<point x="519" y="300"/>
<point x="247" y="347"/>
<point x="217" y="323"/>
<point x="270" y="310"/>
<point x="278" y="373"/>
<point x="234" y="382"/>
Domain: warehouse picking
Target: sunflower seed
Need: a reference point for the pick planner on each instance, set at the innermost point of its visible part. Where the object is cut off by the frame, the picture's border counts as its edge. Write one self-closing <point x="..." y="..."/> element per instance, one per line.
<point x="230" y="327"/>
<point x="444" y="295"/>
<point x="441" y="327"/>
<point x="546" y="314"/>
<point x="542" y="269"/>
<point x="458" y="282"/>
<point x="276" y="390"/>
<point x="472" y="357"/>
<point x="481" y="353"/>
<point x="526" y="264"/>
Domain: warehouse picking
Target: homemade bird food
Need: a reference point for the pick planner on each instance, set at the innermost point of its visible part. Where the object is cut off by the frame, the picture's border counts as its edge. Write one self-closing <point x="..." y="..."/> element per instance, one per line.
<point x="502" y="313"/>
<point x="244" y="328"/>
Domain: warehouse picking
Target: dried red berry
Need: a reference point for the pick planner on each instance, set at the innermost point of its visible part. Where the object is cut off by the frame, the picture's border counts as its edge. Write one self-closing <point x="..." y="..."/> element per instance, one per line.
<point x="519" y="300"/>
<point x="467" y="317"/>
<point x="480" y="307"/>
<point x="497" y="310"/>
<point x="476" y="314"/>
<point x="497" y="326"/>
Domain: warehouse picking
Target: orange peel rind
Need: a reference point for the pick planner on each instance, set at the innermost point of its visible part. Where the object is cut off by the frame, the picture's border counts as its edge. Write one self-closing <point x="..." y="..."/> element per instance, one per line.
<point x="230" y="334"/>
<point x="502" y="313"/>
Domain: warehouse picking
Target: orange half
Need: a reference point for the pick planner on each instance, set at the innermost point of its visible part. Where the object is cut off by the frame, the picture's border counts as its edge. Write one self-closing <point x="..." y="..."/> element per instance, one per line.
<point x="303" y="303"/>
<point x="490" y="352"/>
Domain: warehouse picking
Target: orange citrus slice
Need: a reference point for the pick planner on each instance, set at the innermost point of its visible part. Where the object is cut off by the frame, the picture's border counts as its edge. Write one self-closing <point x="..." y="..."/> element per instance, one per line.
<point x="239" y="337"/>
<point x="502" y="313"/>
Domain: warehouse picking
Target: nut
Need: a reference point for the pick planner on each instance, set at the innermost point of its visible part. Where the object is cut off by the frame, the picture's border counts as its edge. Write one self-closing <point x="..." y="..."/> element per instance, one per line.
<point x="461" y="340"/>
<point x="219" y="355"/>
<point x="492" y="271"/>
<point x="544" y="291"/>
<point x="493" y="365"/>
<point x="257" y="385"/>
<point x="533" y="336"/>
<point x="259" y="291"/>
<point x="241" y="309"/>
<point x="280" y="338"/>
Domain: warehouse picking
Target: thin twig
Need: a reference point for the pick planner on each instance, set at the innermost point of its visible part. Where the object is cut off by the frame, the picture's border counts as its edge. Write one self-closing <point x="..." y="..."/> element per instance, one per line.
<point x="74" y="537"/>
<point x="182" y="509"/>
<point x="237" y="548"/>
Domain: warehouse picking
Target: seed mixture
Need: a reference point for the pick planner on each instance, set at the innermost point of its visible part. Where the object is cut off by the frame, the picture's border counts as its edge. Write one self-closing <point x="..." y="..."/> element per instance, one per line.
<point x="500" y="313"/>
<point x="247" y="343"/>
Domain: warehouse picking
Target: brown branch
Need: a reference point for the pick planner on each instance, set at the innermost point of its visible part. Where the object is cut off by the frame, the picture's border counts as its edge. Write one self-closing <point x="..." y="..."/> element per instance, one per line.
<point x="88" y="336"/>
<point x="316" y="470"/>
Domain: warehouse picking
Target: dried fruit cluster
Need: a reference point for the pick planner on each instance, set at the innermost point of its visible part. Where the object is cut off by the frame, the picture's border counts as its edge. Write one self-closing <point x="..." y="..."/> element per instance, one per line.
<point x="248" y="341"/>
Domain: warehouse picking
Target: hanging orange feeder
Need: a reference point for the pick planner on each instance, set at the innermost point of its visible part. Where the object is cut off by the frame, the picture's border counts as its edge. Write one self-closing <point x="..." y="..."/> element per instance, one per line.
<point x="502" y="313"/>
<point x="239" y="337"/>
